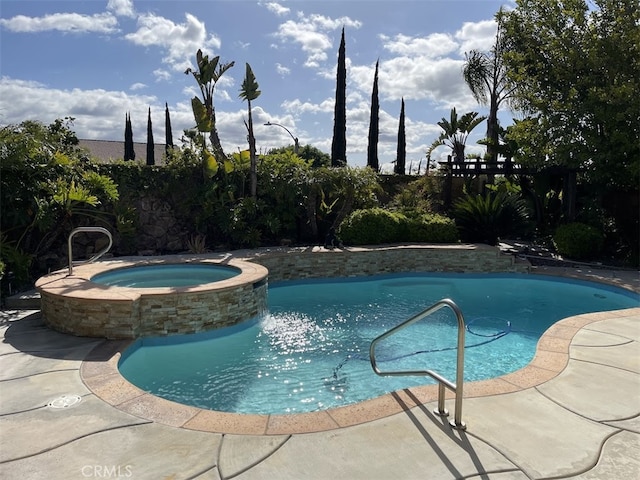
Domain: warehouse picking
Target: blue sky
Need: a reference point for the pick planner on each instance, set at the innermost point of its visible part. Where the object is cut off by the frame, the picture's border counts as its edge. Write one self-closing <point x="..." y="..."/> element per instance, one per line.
<point x="96" y="60"/>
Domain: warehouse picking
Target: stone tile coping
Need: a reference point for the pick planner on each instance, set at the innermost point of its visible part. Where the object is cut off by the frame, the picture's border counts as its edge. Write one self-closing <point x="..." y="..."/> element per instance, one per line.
<point x="79" y="285"/>
<point x="100" y="373"/>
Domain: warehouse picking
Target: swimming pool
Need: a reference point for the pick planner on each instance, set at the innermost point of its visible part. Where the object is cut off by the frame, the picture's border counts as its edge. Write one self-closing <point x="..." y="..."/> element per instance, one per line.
<point x="310" y="352"/>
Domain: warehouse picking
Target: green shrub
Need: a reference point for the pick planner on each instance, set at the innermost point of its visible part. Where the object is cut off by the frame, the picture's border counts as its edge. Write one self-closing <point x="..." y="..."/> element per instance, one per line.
<point x="377" y="225"/>
<point x="432" y="228"/>
<point x="372" y="226"/>
<point x="486" y="218"/>
<point x="578" y="241"/>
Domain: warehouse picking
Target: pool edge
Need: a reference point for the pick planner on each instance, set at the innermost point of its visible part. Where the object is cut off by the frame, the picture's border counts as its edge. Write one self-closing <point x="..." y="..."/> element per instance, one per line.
<point x="100" y="374"/>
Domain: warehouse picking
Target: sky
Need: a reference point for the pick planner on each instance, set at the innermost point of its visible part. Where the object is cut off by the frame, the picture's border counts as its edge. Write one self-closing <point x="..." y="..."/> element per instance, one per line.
<point x="96" y="60"/>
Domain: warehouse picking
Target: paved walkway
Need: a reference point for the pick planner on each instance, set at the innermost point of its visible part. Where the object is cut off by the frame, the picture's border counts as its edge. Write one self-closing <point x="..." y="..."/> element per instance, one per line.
<point x="582" y="423"/>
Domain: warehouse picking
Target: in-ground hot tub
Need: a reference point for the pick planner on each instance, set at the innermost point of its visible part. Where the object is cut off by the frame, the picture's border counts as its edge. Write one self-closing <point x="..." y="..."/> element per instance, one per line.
<point x="166" y="275"/>
<point x="204" y="293"/>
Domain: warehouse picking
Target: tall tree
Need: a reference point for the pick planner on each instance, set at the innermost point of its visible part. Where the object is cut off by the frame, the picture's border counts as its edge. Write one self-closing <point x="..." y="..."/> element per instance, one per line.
<point x="249" y="91"/>
<point x="401" y="156"/>
<point x="151" y="156"/>
<point x="577" y="71"/>
<point x="129" y="152"/>
<point x="339" y="142"/>
<point x="486" y="76"/>
<point x="374" y="125"/>
<point x="168" y="135"/>
<point x="455" y="132"/>
<point x="208" y="74"/>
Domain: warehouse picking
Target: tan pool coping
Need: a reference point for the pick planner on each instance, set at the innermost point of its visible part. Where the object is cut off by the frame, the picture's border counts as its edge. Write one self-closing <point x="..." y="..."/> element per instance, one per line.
<point x="99" y="371"/>
<point x="80" y="285"/>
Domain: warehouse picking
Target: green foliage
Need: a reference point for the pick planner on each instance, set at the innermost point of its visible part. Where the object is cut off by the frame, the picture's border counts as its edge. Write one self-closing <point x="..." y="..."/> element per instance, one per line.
<point x="282" y="182"/>
<point x="578" y="241"/>
<point x="47" y="187"/>
<point x="576" y="71"/>
<point x="419" y="196"/>
<point x="330" y="194"/>
<point x="486" y="218"/>
<point x="249" y="89"/>
<point x="372" y="226"/>
<point x="432" y="228"/>
<point x="455" y="132"/>
<point x="315" y="156"/>
<point x="486" y="76"/>
<point x="377" y="226"/>
<point x="339" y="141"/>
<point x="204" y="123"/>
<point x="15" y="260"/>
<point x="249" y="92"/>
<point x="206" y="76"/>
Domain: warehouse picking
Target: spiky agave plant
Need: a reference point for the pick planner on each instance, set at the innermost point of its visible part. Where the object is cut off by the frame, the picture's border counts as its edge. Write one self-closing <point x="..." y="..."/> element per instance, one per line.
<point x="487" y="217"/>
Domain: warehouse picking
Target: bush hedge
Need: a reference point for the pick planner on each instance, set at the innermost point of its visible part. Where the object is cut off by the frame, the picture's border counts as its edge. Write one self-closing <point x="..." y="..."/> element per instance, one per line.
<point x="432" y="228"/>
<point x="578" y="241"/>
<point x="372" y="226"/>
<point x="377" y="225"/>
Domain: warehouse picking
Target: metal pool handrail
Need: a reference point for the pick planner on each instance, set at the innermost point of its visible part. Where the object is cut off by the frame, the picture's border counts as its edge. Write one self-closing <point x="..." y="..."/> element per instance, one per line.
<point x="97" y="255"/>
<point x="457" y="387"/>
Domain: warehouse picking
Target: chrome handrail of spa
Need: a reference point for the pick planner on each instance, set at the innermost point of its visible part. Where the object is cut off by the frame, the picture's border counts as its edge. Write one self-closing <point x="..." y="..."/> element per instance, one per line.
<point x="457" y="387"/>
<point x="97" y="255"/>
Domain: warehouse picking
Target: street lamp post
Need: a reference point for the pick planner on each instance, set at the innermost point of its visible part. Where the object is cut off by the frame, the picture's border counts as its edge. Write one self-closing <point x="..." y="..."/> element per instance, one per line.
<point x="295" y="139"/>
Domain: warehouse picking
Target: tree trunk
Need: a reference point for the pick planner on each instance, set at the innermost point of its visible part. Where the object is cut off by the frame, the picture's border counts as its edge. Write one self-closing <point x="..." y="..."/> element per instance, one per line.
<point x="216" y="146"/>
<point x="252" y="156"/>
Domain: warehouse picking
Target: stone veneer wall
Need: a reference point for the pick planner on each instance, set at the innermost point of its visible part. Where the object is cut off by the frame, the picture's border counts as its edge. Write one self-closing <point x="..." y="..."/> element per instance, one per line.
<point x="393" y="259"/>
<point x="90" y="316"/>
<point x="77" y="306"/>
<point x="153" y="315"/>
<point x="200" y="311"/>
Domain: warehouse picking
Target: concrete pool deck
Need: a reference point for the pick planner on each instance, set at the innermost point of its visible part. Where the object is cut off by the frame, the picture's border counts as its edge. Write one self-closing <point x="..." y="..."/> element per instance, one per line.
<point x="573" y="413"/>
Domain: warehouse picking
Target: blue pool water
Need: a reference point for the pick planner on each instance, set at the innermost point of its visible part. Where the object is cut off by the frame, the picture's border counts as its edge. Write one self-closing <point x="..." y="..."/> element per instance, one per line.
<point x="311" y="350"/>
<point x="165" y="275"/>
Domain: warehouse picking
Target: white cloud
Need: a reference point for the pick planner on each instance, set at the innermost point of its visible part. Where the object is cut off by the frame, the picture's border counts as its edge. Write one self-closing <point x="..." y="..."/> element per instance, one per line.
<point x="312" y="34"/>
<point x="137" y="86"/>
<point x="432" y="46"/>
<point x="63" y="22"/>
<point x="282" y="70"/>
<point x="299" y="107"/>
<point x="180" y="41"/>
<point x="161" y="75"/>
<point x="276" y="8"/>
<point x="313" y="43"/>
<point x="122" y="8"/>
<point x="98" y="113"/>
<point x="477" y="36"/>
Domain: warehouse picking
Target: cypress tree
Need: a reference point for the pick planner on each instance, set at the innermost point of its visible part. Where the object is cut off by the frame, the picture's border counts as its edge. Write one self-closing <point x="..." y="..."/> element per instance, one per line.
<point x="151" y="160"/>
<point x="372" y="149"/>
<point x="401" y="156"/>
<point x="339" y="142"/>
<point x="168" y="135"/>
<point x="129" y="152"/>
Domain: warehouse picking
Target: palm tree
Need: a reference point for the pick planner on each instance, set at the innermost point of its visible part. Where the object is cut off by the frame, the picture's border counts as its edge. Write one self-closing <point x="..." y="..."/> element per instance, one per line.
<point x="249" y="91"/>
<point x="208" y="74"/>
<point x="455" y="132"/>
<point x="486" y="76"/>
